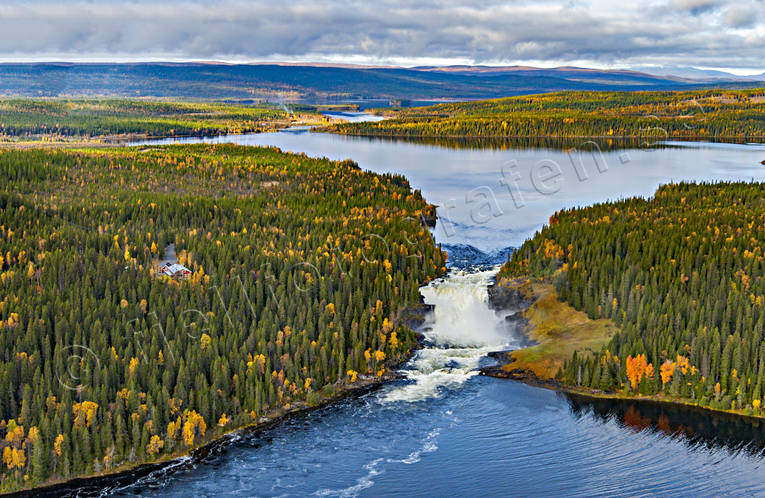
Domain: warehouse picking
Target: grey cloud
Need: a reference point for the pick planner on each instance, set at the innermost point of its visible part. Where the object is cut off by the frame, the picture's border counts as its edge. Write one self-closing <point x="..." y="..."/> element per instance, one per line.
<point x="696" y="7"/>
<point x="741" y="16"/>
<point x="681" y="32"/>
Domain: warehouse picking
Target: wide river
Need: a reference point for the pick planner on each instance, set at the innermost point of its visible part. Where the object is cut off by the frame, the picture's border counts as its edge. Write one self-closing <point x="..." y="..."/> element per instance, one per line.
<point x="446" y="431"/>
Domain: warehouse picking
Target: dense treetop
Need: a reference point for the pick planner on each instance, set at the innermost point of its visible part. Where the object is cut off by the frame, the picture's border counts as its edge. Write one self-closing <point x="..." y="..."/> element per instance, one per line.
<point x="652" y="116"/>
<point x="58" y="118"/>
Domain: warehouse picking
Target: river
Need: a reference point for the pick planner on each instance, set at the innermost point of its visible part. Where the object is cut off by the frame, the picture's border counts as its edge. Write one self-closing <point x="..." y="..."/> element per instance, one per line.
<point x="444" y="430"/>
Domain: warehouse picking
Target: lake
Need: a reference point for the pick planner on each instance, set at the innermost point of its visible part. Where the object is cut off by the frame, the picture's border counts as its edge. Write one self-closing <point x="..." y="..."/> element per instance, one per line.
<point x="496" y="197"/>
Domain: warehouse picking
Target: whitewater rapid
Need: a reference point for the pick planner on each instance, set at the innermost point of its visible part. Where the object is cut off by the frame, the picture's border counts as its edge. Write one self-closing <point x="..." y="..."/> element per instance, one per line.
<point x="461" y="330"/>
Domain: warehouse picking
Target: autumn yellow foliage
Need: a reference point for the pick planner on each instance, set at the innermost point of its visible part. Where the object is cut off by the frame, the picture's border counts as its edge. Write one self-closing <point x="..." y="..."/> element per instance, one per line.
<point x="352" y="374"/>
<point x="667" y="370"/>
<point x="14" y="458"/>
<point x="637" y="367"/>
<point x="193" y="427"/>
<point x="84" y="413"/>
<point x="155" y="445"/>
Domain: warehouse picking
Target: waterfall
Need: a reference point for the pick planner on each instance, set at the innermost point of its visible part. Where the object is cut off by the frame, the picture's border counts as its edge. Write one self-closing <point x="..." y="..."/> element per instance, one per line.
<point x="461" y="330"/>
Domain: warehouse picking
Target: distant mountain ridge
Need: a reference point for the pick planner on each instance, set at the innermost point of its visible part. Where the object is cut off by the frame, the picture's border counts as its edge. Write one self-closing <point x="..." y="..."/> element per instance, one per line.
<point x="658" y="75"/>
<point x="692" y="73"/>
<point x="571" y="73"/>
<point x="319" y="82"/>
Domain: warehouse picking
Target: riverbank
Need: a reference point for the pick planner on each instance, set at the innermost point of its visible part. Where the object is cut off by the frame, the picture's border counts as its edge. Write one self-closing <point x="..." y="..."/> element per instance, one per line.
<point x="412" y="317"/>
<point x="214" y="444"/>
<point x="118" y="139"/>
<point x="641" y="139"/>
<point x="558" y="330"/>
<point x="648" y="116"/>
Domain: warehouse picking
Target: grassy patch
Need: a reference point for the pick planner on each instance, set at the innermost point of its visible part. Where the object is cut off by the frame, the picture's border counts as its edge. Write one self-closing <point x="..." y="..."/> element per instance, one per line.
<point x="559" y="330"/>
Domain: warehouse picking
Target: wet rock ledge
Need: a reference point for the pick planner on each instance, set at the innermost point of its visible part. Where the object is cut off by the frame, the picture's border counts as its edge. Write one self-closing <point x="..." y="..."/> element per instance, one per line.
<point x="514" y="299"/>
<point x="507" y="297"/>
<point x="414" y="316"/>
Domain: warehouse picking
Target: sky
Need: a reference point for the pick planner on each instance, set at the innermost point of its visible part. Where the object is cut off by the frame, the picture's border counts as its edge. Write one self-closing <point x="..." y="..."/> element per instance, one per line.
<point x="723" y="34"/>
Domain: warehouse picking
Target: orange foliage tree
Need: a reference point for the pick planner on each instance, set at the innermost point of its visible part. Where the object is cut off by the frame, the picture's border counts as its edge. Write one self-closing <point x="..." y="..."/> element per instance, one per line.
<point x="637" y="368"/>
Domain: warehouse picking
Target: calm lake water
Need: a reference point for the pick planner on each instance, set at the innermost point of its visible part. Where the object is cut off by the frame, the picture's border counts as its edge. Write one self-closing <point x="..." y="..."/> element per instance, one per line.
<point x="497" y="197"/>
<point x="444" y="430"/>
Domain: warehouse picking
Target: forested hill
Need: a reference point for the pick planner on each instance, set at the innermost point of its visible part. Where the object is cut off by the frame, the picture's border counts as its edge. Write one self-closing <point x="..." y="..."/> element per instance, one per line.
<point x="652" y="116"/>
<point x="304" y="82"/>
<point x="301" y="270"/>
<point x="91" y="118"/>
<point x="683" y="277"/>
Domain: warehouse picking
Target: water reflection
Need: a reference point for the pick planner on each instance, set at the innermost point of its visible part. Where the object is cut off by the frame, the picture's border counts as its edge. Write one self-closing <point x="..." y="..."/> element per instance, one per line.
<point x="548" y="143"/>
<point x="695" y="426"/>
<point x="508" y="143"/>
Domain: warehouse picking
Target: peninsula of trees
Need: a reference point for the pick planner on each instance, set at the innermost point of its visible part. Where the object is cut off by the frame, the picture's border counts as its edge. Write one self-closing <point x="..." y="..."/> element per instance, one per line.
<point x="94" y="119"/>
<point x="681" y="279"/>
<point x="651" y="116"/>
<point x="301" y="273"/>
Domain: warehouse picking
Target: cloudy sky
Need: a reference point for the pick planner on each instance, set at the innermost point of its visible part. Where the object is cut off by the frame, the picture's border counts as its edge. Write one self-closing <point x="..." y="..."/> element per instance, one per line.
<point x="728" y="34"/>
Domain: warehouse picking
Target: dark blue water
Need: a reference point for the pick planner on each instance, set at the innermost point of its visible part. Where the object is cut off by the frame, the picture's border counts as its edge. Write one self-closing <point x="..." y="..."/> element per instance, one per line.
<point x="487" y="437"/>
<point x="446" y="431"/>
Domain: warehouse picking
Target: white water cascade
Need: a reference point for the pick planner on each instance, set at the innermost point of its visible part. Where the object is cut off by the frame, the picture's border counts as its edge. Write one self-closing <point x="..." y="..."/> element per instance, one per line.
<point x="461" y="330"/>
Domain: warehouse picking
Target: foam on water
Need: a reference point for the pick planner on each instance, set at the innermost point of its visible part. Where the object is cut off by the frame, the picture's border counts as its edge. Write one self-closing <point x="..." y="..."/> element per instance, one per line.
<point x="461" y="330"/>
<point x="362" y="483"/>
<point x="374" y="469"/>
<point x="429" y="446"/>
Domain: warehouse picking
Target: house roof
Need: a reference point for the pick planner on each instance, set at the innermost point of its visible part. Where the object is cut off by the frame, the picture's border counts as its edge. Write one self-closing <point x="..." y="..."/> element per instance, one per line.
<point x="171" y="269"/>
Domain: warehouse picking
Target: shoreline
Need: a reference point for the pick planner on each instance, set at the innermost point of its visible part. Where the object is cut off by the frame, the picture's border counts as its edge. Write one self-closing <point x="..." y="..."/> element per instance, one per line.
<point x="514" y="295"/>
<point x="524" y="377"/>
<point x="413" y="317"/>
<point x="122" y="139"/>
<point x="145" y="469"/>
<point x="721" y="138"/>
